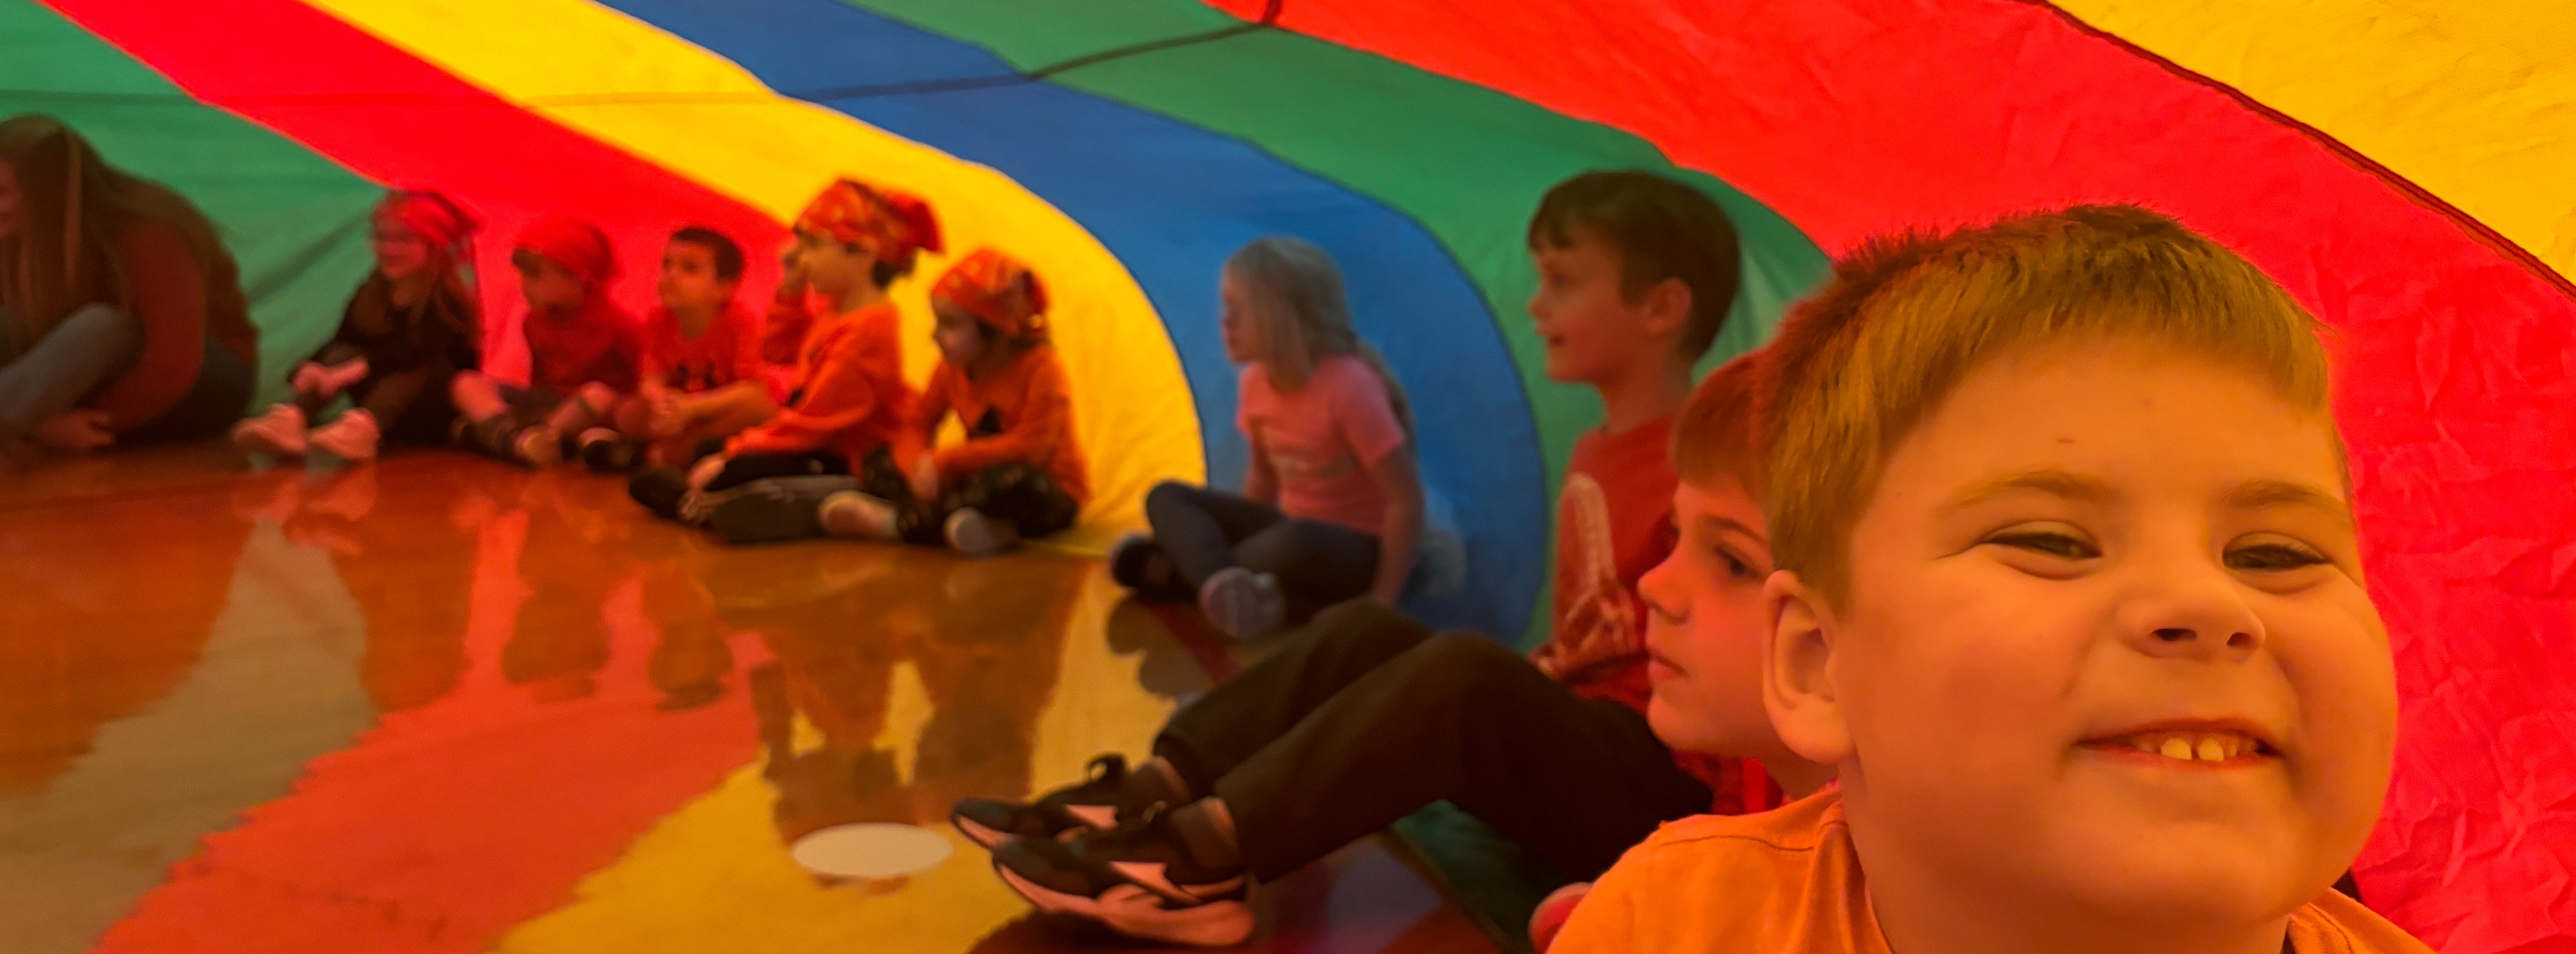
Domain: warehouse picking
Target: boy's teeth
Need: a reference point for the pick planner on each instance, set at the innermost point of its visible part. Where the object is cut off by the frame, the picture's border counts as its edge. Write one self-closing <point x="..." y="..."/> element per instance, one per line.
<point x="2190" y="746"/>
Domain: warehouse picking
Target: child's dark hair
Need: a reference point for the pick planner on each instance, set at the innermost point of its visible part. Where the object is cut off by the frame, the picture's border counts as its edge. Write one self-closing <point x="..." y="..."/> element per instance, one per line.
<point x="728" y="254"/>
<point x="1661" y="229"/>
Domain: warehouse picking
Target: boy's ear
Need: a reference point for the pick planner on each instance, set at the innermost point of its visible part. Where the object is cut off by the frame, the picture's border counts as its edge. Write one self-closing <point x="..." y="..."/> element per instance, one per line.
<point x="1667" y="306"/>
<point x="1798" y="685"/>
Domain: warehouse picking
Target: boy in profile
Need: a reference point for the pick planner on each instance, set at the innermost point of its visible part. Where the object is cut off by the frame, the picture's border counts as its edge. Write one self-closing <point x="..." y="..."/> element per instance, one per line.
<point x="2070" y="595"/>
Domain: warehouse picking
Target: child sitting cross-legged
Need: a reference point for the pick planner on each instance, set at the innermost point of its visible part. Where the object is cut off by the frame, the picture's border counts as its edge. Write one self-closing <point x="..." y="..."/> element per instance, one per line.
<point x="701" y="377"/>
<point x="582" y="349"/>
<point x="410" y="328"/>
<point x="1019" y="473"/>
<point x="2070" y="595"/>
<point x="847" y="399"/>
<point x="1332" y="504"/>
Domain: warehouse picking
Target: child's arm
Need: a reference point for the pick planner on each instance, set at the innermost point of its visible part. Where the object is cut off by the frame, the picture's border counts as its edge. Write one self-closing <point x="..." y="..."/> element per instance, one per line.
<point x="912" y="444"/>
<point x="1401" y="535"/>
<point x="168" y="287"/>
<point x="1044" y="422"/>
<point x="842" y="393"/>
<point x="1260" y="478"/>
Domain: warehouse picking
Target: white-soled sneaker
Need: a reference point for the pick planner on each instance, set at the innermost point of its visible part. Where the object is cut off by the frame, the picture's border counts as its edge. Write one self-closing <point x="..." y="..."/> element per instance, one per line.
<point x="1134" y="878"/>
<point x="1243" y="603"/>
<point x="354" y="437"/>
<point x="277" y="432"/>
<point x="973" y="534"/>
<point x="855" y="514"/>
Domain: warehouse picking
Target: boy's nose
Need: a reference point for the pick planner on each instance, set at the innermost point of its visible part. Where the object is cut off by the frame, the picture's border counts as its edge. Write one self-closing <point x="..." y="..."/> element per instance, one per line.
<point x="2190" y="611"/>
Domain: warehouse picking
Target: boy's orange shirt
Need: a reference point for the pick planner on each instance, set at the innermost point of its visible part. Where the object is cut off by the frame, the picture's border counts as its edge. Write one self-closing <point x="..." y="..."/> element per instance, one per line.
<point x="848" y="394"/>
<point x="1023" y="411"/>
<point x="1789" y="880"/>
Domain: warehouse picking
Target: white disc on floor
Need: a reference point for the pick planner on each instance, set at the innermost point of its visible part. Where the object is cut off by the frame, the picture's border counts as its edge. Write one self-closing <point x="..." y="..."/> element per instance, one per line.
<point x="871" y="850"/>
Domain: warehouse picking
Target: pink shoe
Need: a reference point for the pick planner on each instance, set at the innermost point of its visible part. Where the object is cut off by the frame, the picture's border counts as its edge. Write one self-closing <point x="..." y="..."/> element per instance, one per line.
<point x="352" y="438"/>
<point x="277" y="433"/>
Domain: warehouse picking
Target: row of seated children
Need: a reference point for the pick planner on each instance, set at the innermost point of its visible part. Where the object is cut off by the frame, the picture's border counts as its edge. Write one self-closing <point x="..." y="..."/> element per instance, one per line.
<point x="2065" y="646"/>
<point x="853" y="451"/>
<point x="696" y="393"/>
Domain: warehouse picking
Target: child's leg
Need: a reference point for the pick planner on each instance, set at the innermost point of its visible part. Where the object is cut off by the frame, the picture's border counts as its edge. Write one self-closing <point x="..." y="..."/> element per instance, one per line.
<point x="1459" y="717"/>
<point x="1239" y="717"/>
<point x="592" y="405"/>
<point x="1317" y="564"/>
<point x="1017" y="494"/>
<point x="1199" y="527"/>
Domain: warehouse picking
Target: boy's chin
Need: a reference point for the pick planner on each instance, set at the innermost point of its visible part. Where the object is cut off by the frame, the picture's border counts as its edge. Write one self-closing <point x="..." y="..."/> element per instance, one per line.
<point x="2166" y="880"/>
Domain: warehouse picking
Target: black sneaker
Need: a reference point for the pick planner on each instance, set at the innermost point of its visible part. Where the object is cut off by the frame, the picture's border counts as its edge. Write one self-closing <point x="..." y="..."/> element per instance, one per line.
<point x="607" y="451"/>
<point x="1073" y="809"/>
<point x="1135" y="879"/>
<point x="779" y="508"/>
<point x="659" y="490"/>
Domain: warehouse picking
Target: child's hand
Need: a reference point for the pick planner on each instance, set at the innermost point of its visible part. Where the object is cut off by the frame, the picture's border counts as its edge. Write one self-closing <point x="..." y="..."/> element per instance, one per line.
<point x="77" y="431"/>
<point x="310" y="378"/>
<point x="348" y="373"/>
<point x="705" y="473"/>
<point x="925" y="480"/>
<point x="662" y="408"/>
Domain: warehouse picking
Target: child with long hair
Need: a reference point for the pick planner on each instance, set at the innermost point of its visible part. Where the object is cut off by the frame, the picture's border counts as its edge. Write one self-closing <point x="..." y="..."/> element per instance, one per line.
<point x="1331" y="507"/>
<point x="1020" y="471"/>
<point x="122" y="318"/>
<point x="412" y="325"/>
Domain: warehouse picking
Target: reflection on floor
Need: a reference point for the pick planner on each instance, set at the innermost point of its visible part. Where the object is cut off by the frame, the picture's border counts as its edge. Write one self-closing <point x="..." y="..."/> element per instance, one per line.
<point x="441" y="705"/>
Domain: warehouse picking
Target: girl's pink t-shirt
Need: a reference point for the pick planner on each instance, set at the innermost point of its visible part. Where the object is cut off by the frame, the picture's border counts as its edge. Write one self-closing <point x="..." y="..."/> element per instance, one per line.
<point x="1323" y="438"/>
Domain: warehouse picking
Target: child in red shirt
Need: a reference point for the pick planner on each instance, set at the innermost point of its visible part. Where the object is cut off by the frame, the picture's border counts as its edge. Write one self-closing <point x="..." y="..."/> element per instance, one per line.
<point x="701" y="377"/>
<point x="1020" y="471"/>
<point x="582" y="349"/>
<point x="848" y="397"/>
<point x="1366" y="716"/>
<point x="408" y="330"/>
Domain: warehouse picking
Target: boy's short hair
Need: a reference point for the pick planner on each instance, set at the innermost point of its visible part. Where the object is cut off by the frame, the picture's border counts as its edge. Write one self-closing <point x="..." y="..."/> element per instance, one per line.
<point x="727" y="253"/>
<point x="1718" y="434"/>
<point x="1858" y="365"/>
<point x="1661" y="229"/>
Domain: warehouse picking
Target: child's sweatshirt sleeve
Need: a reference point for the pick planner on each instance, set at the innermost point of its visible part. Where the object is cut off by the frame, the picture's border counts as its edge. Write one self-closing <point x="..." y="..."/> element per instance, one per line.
<point x="842" y="392"/>
<point x="921" y="424"/>
<point x="1045" y="420"/>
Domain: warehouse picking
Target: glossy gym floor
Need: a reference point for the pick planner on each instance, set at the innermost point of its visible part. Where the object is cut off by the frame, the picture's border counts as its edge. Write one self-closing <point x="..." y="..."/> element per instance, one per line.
<point x="438" y="704"/>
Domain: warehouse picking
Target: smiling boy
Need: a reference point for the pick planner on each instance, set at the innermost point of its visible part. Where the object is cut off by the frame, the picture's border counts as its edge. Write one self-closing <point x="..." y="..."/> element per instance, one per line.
<point x="2070" y="595"/>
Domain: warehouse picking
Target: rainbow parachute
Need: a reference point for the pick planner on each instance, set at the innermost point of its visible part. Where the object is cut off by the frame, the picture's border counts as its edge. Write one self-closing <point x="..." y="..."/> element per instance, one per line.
<point x="2403" y="168"/>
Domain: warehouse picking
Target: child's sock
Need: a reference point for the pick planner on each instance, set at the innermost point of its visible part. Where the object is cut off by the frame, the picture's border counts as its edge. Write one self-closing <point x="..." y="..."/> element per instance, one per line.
<point x="1154" y="781"/>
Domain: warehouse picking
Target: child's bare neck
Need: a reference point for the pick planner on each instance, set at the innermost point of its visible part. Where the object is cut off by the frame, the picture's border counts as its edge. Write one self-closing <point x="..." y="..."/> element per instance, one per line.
<point x="859" y="296"/>
<point x="1798" y="777"/>
<point x="1924" y="909"/>
<point x="1642" y="392"/>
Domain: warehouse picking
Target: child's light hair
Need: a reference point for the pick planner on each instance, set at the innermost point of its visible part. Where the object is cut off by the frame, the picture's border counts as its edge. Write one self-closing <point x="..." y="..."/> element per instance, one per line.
<point x="1905" y="319"/>
<point x="1294" y="297"/>
<point x="1718" y="434"/>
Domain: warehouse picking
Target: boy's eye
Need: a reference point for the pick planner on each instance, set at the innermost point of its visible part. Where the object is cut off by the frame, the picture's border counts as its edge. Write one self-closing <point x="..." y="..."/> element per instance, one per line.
<point x="2272" y="557"/>
<point x="2064" y="546"/>
<point x="1736" y="568"/>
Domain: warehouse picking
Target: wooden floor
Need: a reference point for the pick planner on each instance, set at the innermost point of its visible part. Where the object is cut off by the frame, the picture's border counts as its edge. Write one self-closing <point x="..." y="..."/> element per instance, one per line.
<point x="442" y="705"/>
